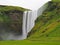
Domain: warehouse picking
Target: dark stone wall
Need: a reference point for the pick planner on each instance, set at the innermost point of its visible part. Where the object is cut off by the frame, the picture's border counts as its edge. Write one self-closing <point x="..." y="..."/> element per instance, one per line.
<point x="11" y="21"/>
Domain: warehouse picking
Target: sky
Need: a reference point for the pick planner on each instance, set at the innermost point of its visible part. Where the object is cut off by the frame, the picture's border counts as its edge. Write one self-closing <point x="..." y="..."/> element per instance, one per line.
<point x="29" y="4"/>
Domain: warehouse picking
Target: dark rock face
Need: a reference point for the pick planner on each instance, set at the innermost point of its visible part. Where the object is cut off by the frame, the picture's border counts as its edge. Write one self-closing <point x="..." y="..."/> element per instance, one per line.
<point x="11" y="21"/>
<point x="16" y="20"/>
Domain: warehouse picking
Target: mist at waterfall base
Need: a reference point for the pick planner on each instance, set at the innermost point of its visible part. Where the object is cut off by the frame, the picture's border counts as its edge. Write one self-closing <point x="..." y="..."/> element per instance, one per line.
<point x="9" y="35"/>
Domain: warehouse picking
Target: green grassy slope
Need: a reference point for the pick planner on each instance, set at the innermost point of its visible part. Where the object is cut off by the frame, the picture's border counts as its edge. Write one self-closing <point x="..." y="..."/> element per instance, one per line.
<point x="48" y="24"/>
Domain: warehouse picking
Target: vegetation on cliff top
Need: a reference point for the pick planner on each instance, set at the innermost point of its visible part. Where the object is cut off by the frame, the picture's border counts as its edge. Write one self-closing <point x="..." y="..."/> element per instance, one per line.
<point x="7" y="8"/>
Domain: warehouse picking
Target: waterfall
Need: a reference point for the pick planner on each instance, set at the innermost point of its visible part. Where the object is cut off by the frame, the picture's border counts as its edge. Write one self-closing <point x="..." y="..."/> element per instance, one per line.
<point x="31" y="17"/>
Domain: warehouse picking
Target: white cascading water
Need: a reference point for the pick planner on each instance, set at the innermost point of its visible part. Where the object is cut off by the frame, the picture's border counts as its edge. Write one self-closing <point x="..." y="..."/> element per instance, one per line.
<point x="31" y="17"/>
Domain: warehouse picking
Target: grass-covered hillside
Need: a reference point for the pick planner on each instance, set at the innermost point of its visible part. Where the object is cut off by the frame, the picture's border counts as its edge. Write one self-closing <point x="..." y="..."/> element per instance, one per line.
<point x="48" y="24"/>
